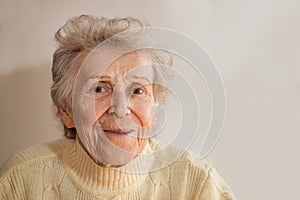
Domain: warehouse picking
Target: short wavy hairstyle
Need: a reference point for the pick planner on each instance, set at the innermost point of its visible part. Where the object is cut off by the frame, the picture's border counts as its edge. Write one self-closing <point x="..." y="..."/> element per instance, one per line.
<point x="82" y="34"/>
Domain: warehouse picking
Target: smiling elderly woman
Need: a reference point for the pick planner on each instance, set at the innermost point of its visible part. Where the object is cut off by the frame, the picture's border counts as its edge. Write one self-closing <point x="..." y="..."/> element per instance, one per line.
<point x="107" y="91"/>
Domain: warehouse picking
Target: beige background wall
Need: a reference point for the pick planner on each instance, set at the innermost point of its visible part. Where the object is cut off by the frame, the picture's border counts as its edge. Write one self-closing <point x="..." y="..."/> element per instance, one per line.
<point x="255" y="44"/>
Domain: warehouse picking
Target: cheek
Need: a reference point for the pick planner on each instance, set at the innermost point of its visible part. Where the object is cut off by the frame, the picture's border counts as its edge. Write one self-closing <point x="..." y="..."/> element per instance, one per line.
<point x="85" y="110"/>
<point x="142" y="110"/>
<point x="101" y="106"/>
<point x="89" y="109"/>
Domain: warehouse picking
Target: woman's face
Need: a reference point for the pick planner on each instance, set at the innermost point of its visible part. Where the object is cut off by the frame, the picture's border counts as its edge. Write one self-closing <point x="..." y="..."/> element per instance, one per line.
<point x="114" y="110"/>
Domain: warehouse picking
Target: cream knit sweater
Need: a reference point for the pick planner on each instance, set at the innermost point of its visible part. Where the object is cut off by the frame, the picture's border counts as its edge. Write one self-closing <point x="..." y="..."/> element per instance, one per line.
<point x="63" y="170"/>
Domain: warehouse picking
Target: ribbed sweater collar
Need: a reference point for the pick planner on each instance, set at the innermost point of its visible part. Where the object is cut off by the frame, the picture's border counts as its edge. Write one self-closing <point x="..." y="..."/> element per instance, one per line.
<point x="89" y="177"/>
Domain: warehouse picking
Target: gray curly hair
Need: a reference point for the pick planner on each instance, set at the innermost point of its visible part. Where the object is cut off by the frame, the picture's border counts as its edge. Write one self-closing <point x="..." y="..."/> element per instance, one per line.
<point x="81" y="34"/>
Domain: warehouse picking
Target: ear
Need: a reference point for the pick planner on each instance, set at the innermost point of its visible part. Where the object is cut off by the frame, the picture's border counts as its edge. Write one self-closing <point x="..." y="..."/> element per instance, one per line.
<point x="66" y="118"/>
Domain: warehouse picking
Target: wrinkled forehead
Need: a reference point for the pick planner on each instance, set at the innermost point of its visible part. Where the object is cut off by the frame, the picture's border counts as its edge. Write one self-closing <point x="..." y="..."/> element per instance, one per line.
<point x="110" y="64"/>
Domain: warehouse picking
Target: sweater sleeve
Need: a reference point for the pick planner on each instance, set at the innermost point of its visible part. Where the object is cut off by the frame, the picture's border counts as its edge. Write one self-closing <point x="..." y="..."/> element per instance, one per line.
<point x="9" y="178"/>
<point x="3" y="195"/>
<point x="12" y="185"/>
<point x="215" y="188"/>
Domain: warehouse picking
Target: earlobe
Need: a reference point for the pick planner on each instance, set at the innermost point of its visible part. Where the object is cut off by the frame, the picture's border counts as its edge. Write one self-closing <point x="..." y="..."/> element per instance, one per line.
<point x="66" y="118"/>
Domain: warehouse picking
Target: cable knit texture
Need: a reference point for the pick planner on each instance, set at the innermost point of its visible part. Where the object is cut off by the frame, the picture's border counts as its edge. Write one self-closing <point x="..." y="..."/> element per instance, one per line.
<point x="63" y="170"/>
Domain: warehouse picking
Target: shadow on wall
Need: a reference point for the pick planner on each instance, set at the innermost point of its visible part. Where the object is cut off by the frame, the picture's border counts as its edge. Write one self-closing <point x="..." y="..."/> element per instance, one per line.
<point x="27" y="114"/>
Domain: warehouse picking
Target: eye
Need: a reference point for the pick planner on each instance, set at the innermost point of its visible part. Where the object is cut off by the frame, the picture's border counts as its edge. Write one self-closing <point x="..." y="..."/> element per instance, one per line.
<point x="138" y="91"/>
<point x="99" y="89"/>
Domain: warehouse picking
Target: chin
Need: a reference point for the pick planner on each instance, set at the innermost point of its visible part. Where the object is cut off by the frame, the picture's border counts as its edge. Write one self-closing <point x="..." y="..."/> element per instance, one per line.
<point x="114" y="147"/>
<point x="122" y="150"/>
<point x="113" y="156"/>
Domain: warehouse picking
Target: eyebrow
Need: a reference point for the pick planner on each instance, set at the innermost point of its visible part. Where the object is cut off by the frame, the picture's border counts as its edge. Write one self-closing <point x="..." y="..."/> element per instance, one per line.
<point x="135" y="77"/>
<point x="97" y="77"/>
<point x="132" y="77"/>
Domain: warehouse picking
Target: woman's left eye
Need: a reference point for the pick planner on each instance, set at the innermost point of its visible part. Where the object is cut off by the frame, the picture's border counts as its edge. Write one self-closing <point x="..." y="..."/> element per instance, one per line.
<point x="138" y="91"/>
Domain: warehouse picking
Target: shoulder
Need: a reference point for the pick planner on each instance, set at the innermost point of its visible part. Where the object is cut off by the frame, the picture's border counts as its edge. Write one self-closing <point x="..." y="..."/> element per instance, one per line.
<point x="34" y="155"/>
<point x="178" y="156"/>
<point x="203" y="180"/>
<point x="27" y="171"/>
<point x="210" y="184"/>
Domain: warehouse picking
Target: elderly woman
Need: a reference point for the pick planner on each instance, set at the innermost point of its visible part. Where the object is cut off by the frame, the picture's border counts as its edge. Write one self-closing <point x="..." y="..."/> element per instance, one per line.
<point x="107" y="92"/>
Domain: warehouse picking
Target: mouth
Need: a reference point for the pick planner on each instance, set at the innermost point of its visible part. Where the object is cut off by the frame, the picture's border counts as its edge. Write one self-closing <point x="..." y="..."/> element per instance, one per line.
<point x="117" y="132"/>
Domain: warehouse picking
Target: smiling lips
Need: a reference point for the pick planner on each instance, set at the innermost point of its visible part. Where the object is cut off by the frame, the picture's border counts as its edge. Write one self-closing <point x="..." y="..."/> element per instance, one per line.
<point x="118" y="132"/>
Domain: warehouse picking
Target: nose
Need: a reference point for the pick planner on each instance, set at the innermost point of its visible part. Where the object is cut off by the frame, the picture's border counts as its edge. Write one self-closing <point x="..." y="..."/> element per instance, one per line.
<point x="119" y="103"/>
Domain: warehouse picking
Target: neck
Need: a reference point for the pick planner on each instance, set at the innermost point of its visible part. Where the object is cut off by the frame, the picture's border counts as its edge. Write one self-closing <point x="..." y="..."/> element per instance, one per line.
<point x="93" y="178"/>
